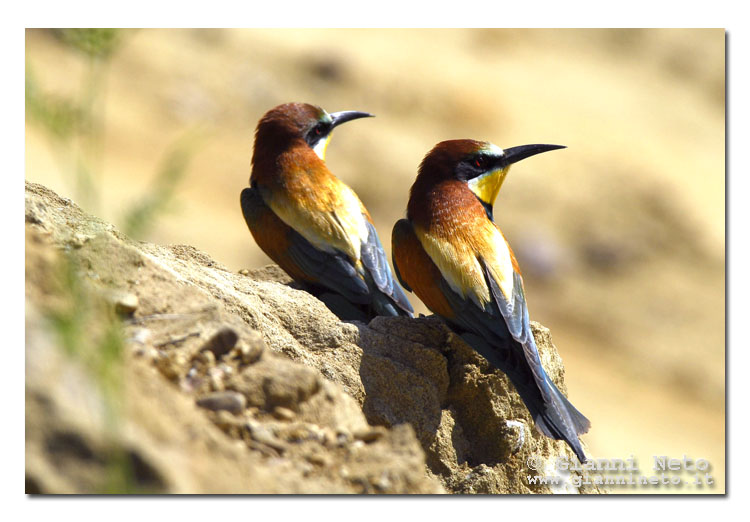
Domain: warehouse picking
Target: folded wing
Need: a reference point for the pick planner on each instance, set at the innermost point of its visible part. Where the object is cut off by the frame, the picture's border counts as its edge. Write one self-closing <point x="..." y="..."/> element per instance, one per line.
<point x="315" y="258"/>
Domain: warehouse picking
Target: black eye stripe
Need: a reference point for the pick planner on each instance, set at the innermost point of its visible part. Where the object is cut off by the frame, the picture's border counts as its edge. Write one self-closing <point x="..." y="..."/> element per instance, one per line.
<point x="478" y="162"/>
<point x="475" y="165"/>
<point x="317" y="133"/>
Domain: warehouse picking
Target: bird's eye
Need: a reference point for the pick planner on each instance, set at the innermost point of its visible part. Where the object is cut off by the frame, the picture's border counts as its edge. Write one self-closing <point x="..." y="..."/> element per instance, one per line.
<point x="479" y="162"/>
<point x="317" y="133"/>
<point x="320" y="129"/>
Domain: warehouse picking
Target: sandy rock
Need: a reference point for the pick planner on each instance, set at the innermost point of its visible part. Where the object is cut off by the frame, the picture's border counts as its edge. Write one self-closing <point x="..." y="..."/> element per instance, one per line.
<point x="317" y="405"/>
<point x="276" y="383"/>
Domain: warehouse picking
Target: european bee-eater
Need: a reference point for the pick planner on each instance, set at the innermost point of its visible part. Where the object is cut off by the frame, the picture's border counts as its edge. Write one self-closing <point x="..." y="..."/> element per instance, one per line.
<point x="309" y="222"/>
<point x="450" y="252"/>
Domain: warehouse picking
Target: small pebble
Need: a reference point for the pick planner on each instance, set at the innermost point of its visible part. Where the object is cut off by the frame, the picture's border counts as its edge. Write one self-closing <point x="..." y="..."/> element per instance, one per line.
<point x="251" y="348"/>
<point x="305" y="468"/>
<point x="264" y="436"/>
<point x="179" y="359"/>
<point x="167" y="367"/>
<point x="207" y="357"/>
<point x="383" y="482"/>
<point x="221" y="342"/>
<point x="227" y="401"/>
<point x="191" y="382"/>
<point x="216" y="379"/>
<point x="342" y="438"/>
<point x="141" y="336"/>
<point x="316" y="433"/>
<point x="317" y="459"/>
<point x="244" y="272"/>
<point x="79" y="240"/>
<point x="227" y="422"/>
<point x="282" y="413"/>
<point x="370" y="435"/>
<point x="327" y="437"/>
<point x="298" y="433"/>
<point x="125" y="303"/>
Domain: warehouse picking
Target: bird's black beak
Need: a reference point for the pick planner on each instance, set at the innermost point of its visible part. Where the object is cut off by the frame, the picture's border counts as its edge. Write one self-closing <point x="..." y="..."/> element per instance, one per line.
<point x="516" y="154"/>
<point x="342" y="117"/>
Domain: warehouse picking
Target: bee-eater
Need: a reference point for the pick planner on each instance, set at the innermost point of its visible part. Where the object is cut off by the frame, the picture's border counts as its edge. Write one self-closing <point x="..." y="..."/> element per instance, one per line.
<point x="450" y="252"/>
<point x="309" y="222"/>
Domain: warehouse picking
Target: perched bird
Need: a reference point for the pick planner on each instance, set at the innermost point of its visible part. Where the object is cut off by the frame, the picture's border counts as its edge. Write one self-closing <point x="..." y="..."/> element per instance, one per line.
<point x="450" y="252"/>
<point x="309" y="222"/>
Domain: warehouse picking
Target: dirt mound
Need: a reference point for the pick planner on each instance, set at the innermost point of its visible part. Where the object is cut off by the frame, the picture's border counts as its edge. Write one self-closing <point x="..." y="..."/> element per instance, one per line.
<point x="155" y="369"/>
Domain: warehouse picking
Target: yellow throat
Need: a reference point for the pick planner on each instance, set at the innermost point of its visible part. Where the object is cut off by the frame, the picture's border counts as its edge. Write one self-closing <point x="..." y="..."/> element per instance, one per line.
<point x="487" y="186"/>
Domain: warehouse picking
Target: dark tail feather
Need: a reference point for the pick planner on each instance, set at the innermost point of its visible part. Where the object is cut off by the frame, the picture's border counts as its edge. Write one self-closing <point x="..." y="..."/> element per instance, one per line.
<point x="556" y="418"/>
<point x="560" y="420"/>
<point x="389" y="306"/>
<point x="342" y="308"/>
<point x="581" y="423"/>
<point x="384" y="305"/>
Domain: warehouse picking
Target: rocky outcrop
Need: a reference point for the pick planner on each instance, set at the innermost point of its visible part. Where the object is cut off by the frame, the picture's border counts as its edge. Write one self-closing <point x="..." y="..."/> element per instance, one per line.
<point x="155" y="369"/>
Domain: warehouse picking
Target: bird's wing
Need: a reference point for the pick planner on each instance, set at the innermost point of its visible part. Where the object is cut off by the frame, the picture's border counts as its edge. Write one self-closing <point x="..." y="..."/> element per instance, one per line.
<point x="513" y="310"/>
<point x="492" y="306"/>
<point x="376" y="263"/>
<point x="335" y="221"/>
<point x="328" y="216"/>
<point x="297" y="256"/>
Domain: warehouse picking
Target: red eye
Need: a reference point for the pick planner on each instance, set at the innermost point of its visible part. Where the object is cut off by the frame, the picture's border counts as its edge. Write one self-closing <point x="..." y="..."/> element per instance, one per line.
<point x="478" y="163"/>
<point x="317" y="131"/>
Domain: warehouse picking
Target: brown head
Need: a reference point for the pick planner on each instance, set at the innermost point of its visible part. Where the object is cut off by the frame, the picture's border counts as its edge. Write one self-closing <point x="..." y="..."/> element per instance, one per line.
<point x="296" y="124"/>
<point x="457" y="165"/>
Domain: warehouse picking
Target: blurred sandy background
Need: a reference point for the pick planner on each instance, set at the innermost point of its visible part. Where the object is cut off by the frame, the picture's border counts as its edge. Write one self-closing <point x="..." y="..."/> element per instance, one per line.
<point x="620" y="236"/>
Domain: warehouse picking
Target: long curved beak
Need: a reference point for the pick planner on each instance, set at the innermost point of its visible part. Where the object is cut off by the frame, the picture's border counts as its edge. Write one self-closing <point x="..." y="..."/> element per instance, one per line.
<point x="487" y="186"/>
<point x="516" y="154"/>
<point x="342" y="117"/>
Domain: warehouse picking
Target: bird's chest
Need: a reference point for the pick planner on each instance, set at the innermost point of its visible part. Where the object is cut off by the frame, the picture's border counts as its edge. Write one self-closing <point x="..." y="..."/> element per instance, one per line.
<point x="303" y="186"/>
<point x="456" y="216"/>
<point x="458" y="235"/>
